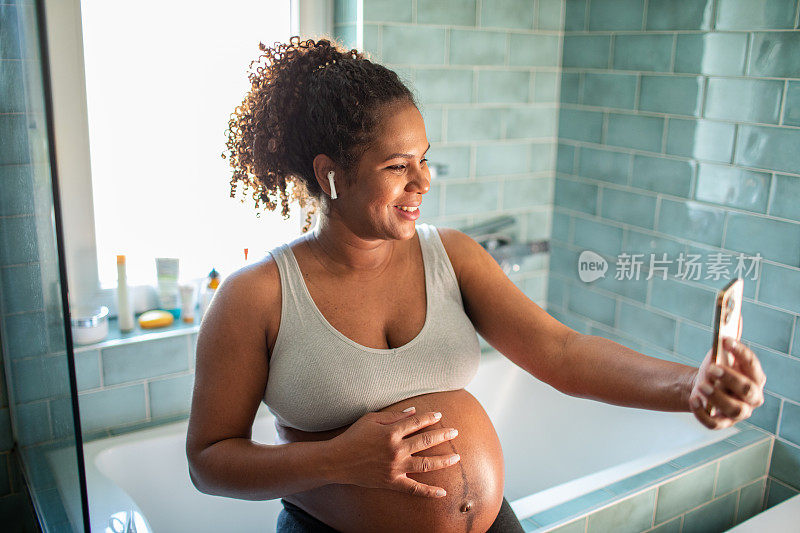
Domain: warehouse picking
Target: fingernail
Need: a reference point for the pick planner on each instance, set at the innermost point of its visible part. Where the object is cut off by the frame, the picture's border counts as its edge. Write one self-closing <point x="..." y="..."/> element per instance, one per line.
<point x="437" y="416"/>
<point x="715" y="371"/>
<point x="408" y="410"/>
<point x="452" y="433"/>
<point x="706" y="388"/>
<point x="441" y="493"/>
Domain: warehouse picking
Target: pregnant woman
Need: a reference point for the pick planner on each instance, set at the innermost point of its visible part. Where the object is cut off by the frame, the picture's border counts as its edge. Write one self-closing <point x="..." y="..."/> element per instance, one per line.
<point x="360" y="335"/>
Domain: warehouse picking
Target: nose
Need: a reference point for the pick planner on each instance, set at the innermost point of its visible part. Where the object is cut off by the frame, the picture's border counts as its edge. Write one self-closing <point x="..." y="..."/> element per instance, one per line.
<point x="420" y="181"/>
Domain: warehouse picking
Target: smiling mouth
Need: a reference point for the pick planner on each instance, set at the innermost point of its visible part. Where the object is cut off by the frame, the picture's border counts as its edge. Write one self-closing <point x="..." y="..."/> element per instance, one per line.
<point x="406" y="208"/>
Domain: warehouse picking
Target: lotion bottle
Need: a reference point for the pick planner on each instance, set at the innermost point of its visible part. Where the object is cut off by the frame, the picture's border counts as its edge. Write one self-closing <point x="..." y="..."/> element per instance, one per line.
<point x="124" y="309"/>
<point x="208" y="291"/>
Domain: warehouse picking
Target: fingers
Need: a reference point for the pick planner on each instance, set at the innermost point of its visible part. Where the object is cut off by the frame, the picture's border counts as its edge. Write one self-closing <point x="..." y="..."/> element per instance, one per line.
<point x="429" y="439"/>
<point x="709" y="421"/>
<point x="726" y="405"/>
<point x="415" y="422"/>
<point x="415" y="488"/>
<point x="746" y="360"/>
<point x="737" y="383"/>
<point x="390" y="417"/>
<point x="431" y="462"/>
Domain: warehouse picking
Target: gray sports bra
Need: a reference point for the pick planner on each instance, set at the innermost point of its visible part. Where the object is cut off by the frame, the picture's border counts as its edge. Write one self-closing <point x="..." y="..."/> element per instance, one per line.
<point x="320" y="379"/>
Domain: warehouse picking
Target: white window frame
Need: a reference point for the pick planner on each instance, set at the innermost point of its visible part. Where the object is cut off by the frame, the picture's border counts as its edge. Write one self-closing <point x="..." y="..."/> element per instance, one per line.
<point x="309" y="18"/>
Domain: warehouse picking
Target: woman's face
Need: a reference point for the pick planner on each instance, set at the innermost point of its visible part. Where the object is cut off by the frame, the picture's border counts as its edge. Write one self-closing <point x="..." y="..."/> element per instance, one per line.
<point x="392" y="172"/>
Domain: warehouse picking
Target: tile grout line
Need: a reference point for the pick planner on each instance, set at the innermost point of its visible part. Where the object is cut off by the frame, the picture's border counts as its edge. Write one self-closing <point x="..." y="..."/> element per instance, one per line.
<point x="782" y="112"/>
<point x="673" y="52"/>
<point x="714" y="9"/>
<point x="748" y="52"/>
<point x="447" y="36"/>
<point x="704" y="98"/>
<point x="797" y="15"/>
<point x="673" y="157"/>
<point x="744" y="77"/>
<point x="99" y="366"/>
<point x="644" y="15"/>
<point x="654" y="114"/>
<point x="771" y="192"/>
<point x="586" y="9"/>
<point x="780" y="419"/>
<point x="725" y="220"/>
<point x="147" y="415"/>
<point x="611" y="46"/>
<point x="653" y="194"/>
<point x="655" y="506"/>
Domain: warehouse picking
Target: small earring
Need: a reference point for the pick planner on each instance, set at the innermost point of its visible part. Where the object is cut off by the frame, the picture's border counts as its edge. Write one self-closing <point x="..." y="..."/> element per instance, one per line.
<point x="333" y="187"/>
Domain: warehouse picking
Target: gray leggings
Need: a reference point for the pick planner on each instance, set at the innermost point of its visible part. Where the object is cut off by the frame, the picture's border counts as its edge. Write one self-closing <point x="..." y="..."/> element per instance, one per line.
<point x="292" y="519"/>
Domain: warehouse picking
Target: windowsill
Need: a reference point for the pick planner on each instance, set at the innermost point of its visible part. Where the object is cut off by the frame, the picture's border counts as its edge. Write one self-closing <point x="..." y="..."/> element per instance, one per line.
<point x="116" y="337"/>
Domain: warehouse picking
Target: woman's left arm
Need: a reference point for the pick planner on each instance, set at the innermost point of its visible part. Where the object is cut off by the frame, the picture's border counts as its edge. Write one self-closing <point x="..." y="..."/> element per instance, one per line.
<point x="589" y="366"/>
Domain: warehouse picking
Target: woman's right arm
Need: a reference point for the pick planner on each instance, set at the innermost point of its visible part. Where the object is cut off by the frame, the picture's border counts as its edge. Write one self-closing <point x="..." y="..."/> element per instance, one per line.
<point x="230" y="381"/>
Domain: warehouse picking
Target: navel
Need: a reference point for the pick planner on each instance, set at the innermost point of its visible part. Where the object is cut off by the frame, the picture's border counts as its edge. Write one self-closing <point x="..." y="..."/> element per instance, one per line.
<point x="466" y="506"/>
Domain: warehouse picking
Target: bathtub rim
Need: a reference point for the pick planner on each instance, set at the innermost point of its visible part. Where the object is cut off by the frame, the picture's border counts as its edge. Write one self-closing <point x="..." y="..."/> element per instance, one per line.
<point x="748" y="435"/>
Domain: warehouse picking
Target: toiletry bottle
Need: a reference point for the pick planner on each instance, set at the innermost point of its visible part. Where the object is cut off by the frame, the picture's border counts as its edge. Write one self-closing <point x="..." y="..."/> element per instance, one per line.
<point x="168" y="295"/>
<point x="187" y="302"/>
<point x="209" y="289"/>
<point x="124" y="309"/>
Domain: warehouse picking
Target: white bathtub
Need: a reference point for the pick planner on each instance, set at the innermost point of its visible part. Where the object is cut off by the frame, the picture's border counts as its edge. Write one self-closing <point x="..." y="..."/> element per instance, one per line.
<point x="556" y="448"/>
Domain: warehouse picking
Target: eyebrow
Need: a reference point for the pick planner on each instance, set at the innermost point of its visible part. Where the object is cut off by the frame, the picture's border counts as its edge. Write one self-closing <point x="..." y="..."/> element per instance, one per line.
<point x="408" y="156"/>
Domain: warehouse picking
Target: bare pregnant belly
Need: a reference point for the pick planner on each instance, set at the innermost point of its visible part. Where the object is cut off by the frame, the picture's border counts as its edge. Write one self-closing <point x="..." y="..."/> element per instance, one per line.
<point x="474" y="485"/>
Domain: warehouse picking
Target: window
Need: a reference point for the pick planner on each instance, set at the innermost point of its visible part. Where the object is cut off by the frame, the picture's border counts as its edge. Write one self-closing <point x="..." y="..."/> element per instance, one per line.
<point x="161" y="82"/>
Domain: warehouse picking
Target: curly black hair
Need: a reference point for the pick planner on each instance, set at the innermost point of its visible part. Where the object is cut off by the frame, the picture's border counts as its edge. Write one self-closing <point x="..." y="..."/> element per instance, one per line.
<point x="306" y="98"/>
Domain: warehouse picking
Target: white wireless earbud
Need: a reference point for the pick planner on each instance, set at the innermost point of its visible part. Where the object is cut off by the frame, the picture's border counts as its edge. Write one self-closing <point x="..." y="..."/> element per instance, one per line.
<point x="333" y="187"/>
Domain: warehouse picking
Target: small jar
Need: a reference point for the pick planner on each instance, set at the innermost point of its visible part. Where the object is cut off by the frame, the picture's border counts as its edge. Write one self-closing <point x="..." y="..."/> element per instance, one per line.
<point x="89" y="325"/>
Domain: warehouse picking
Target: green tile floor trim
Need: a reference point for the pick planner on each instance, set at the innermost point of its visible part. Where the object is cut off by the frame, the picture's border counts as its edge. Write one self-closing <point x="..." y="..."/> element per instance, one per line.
<point x="709" y="489"/>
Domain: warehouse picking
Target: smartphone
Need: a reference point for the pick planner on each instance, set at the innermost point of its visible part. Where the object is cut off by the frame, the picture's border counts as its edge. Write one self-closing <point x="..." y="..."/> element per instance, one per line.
<point x="727" y="311"/>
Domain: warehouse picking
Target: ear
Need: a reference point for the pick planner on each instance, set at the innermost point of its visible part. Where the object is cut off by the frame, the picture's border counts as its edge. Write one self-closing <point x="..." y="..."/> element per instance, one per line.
<point x="322" y="165"/>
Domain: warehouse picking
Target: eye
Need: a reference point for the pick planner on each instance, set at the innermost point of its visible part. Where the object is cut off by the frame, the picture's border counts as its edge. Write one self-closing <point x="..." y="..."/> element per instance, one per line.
<point x="397" y="167"/>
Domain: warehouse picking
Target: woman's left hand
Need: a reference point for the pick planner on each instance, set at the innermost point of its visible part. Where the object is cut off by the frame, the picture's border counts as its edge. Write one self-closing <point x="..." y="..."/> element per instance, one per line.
<point x="733" y="392"/>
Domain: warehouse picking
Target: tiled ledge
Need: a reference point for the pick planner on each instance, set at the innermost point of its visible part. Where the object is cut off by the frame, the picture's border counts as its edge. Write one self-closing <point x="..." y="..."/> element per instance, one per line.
<point x="722" y="474"/>
<point x="117" y="338"/>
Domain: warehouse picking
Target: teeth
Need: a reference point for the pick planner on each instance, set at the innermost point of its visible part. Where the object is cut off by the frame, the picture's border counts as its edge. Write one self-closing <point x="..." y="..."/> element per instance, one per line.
<point x="404" y="208"/>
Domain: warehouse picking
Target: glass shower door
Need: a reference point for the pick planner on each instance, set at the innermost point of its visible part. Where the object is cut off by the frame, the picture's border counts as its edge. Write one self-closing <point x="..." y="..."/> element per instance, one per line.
<point x="36" y="347"/>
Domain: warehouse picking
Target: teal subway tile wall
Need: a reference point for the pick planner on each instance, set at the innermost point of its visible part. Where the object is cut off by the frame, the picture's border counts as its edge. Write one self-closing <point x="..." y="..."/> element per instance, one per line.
<point x="707" y="490"/>
<point x="35" y="408"/>
<point x="639" y="126"/>
<point x="678" y="134"/>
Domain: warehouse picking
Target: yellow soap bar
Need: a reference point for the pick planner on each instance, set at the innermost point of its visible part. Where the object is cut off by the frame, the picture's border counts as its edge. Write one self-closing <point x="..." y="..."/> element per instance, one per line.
<point x="155" y="319"/>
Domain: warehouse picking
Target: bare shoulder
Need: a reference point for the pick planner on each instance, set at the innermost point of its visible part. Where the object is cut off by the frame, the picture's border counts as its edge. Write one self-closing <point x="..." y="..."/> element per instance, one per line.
<point x="461" y="249"/>
<point x="256" y="284"/>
